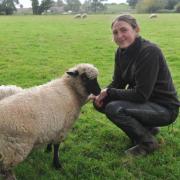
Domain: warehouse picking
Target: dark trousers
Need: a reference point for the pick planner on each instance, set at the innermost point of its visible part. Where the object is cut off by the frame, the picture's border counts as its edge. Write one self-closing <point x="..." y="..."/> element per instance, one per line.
<point x="135" y="118"/>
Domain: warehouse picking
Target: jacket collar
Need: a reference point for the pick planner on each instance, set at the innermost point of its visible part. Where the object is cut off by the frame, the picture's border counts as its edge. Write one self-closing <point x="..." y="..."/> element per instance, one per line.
<point x="133" y="49"/>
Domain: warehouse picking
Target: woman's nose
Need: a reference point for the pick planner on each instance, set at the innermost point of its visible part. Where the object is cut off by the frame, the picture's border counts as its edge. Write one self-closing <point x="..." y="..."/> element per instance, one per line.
<point x="119" y="35"/>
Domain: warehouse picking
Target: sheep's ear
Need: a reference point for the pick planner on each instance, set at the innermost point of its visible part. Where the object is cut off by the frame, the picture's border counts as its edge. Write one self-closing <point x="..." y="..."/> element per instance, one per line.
<point x="73" y="73"/>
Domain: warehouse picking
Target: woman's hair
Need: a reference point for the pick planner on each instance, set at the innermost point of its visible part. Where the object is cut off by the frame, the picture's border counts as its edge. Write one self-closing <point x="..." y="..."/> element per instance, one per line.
<point x="127" y="18"/>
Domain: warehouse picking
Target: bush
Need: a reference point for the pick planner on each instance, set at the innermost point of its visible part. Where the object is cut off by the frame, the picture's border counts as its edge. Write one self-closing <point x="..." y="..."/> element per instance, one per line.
<point x="166" y="11"/>
<point x="149" y="6"/>
<point x="177" y="7"/>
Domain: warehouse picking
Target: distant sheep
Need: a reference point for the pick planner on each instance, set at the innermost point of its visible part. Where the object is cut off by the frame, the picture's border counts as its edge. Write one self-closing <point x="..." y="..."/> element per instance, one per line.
<point x="153" y="16"/>
<point x="77" y="16"/>
<point x="43" y="114"/>
<point x="80" y="16"/>
<point x="83" y="16"/>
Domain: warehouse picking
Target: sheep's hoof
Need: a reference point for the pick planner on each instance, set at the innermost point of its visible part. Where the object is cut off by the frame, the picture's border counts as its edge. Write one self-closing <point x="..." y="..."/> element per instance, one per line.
<point x="48" y="148"/>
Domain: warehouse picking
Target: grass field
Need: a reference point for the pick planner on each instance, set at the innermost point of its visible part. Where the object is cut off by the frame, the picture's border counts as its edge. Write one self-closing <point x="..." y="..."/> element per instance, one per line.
<point x="36" y="49"/>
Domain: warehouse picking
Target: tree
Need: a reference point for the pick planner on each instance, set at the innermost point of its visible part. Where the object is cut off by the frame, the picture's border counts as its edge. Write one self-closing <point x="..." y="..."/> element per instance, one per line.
<point x="35" y="6"/>
<point x="170" y="4"/>
<point x="72" y="5"/>
<point x="44" y="6"/>
<point x="8" y="6"/>
<point x="149" y="6"/>
<point x="132" y="3"/>
<point x="86" y="5"/>
<point x="177" y="7"/>
<point x="59" y="3"/>
<point x="96" y="5"/>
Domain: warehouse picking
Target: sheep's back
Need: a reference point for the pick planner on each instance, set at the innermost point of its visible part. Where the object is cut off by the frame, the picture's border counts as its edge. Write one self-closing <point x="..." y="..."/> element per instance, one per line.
<point x="42" y="112"/>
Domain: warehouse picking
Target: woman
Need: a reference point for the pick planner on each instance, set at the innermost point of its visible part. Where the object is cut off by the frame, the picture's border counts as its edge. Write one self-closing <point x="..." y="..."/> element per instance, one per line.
<point x="141" y="96"/>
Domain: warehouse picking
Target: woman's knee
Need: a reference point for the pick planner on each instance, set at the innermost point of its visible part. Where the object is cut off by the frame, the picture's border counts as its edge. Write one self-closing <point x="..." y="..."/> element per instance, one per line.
<point x="174" y="115"/>
<point x="113" y="109"/>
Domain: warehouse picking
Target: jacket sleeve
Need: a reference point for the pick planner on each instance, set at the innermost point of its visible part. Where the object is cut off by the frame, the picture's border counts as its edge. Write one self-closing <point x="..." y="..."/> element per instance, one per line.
<point x="146" y="74"/>
<point x="116" y="80"/>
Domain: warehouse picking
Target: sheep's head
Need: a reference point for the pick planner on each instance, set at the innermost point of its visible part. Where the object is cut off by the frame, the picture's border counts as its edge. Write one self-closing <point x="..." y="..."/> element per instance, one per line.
<point x="88" y="75"/>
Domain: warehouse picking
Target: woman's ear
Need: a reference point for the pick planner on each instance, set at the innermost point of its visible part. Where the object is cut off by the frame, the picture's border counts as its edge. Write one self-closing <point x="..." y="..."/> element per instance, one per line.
<point x="137" y="29"/>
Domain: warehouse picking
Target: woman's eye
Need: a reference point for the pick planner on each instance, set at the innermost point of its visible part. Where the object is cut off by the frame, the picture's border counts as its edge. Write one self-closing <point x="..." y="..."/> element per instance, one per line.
<point x="115" y="32"/>
<point x="123" y="30"/>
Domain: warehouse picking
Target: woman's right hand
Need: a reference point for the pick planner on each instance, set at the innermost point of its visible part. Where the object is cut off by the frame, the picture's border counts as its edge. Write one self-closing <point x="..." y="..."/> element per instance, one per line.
<point x="98" y="100"/>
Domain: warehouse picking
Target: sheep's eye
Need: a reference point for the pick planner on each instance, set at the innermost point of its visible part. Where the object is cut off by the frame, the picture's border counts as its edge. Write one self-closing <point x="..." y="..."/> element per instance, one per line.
<point x="84" y="77"/>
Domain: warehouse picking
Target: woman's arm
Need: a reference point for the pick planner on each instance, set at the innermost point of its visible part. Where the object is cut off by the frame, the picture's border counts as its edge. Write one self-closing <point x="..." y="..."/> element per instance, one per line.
<point x="146" y="73"/>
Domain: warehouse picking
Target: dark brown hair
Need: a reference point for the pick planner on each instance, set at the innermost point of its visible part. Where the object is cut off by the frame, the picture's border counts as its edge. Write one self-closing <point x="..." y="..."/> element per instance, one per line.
<point x="127" y="18"/>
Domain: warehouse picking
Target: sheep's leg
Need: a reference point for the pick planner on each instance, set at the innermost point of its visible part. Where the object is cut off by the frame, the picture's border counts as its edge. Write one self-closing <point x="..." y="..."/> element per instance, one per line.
<point x="56" y="162"/>
<point x="49" y="148"/>
<point x="7" y="175"/>
<point x="13" y="153"/>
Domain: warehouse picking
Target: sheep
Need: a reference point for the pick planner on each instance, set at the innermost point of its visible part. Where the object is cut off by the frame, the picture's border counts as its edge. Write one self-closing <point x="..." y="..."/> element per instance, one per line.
<point x="153" y="16"/>
<point x="9" y="90"/>
<point x="83" y="16"/>
<point x="43" y="114"/>
<point x="6" y="91"/>
<point x="77" y="16"/>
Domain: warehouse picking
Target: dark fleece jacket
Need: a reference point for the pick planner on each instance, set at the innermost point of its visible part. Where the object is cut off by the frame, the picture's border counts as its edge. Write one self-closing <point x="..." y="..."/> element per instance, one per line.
<point x="141" y="74"/>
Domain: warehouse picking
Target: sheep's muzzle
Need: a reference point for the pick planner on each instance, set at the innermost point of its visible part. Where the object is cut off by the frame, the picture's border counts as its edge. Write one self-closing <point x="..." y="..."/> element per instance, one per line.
<point x="92" y="86"/>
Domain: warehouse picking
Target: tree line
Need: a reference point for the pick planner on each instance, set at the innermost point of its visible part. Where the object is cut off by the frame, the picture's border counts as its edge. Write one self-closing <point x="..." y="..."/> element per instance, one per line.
<point x="151" y="6"/>
<point x="8" y="7"/>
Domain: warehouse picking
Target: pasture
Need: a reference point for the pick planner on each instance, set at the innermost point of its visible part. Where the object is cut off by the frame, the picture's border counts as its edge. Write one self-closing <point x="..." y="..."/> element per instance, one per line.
<point x="36" y="49"/>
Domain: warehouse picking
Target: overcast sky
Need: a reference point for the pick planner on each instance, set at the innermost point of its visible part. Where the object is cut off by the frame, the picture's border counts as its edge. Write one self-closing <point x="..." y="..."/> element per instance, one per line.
<point x="27" y="3"/>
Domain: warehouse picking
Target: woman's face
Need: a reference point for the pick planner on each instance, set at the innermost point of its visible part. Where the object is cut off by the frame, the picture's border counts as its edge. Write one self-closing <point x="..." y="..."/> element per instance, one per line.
<point x="124" y="34"/>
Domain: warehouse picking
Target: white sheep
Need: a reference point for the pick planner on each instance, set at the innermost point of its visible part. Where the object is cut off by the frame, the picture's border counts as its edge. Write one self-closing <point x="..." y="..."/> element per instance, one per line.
<point x="9" y="90"/>
<point x="153" y="16"/>
<point x="43" y="114"/>
<point x="6" y="91"/>
<point x="77" y="16"/>
<point x="83" y="16"/>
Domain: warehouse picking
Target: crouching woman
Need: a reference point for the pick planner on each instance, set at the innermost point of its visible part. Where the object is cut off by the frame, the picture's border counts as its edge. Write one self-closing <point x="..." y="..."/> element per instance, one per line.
<point x="142" y="96"/>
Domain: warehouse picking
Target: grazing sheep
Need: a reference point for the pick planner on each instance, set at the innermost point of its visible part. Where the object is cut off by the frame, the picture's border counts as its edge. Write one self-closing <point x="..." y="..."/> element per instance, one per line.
<point x="77" y="16"/>
<point x="83" y="16"/>
<point x="153" y="16"/>
<point x="43" y="114"/>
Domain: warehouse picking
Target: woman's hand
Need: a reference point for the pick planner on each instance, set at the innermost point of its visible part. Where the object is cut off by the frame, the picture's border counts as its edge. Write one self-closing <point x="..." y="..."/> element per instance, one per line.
<point x="98" y="100"/>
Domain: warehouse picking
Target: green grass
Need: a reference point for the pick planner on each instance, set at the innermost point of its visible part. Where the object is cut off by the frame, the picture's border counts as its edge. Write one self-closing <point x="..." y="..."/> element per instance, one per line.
<point x="36" y="49"/>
